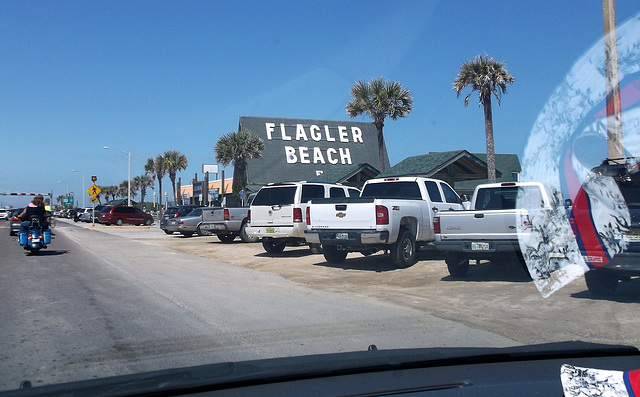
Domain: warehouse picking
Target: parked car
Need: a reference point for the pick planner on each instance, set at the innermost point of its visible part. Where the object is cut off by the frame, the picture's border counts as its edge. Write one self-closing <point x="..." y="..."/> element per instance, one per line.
<point x="77" y="213"/>
<point x="120" y="214"/>
<point x="5" y="213"/>
<point x="190" y="223"/>
<point x="174" y="212"/>
<point x="15" y="222"/>
<point x="172" y="224"/>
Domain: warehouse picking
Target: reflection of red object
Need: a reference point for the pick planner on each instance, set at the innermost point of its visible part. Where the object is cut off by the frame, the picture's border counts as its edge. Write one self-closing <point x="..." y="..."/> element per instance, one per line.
<point x="582" y="225"/>
<point x="632" y="381"/>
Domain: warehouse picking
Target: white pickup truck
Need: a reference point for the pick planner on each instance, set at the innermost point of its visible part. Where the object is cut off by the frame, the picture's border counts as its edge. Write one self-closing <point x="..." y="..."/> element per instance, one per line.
<point x="489" y="230"/>
<point x="391" y="214"/>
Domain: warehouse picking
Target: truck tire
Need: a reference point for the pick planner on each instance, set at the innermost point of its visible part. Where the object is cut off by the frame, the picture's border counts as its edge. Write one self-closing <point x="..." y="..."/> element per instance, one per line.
<point x="333" y="255"/>
<point x="315" y="248"/>
<point x="244" y="236"/>
<point x="403" y="251"/>
<point x="274" y="246"/>
<point x="226" y="238"/>
<point x="601" y="283"/>
<point x="458" y="264"/>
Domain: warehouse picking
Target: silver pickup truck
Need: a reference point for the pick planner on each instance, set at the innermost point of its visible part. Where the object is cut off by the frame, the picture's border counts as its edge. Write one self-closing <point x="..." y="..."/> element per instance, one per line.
<point x="489" y="230"/>
<point x="227" y="222"/>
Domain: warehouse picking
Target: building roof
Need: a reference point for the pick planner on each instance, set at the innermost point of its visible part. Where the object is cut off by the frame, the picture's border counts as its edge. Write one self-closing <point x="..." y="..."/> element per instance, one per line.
<point x="461" y="169"/>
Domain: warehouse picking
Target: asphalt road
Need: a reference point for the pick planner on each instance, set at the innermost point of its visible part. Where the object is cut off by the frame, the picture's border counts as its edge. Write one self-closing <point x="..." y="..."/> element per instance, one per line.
<point x="102" y="302"/>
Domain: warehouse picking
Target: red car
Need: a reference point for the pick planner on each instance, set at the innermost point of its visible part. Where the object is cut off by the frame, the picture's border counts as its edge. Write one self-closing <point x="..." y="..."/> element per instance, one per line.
<point x="120" y="214"/>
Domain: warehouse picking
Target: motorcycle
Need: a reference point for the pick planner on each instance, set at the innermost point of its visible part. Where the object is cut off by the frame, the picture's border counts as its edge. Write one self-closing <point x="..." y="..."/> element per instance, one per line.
<point x="36" y="237"/>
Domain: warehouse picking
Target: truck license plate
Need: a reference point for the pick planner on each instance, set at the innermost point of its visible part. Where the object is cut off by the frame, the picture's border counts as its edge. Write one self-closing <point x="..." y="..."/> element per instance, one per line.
<point x="342" y="236"/>
<point x="480" y="246"/>
<point x="271" y="230"/>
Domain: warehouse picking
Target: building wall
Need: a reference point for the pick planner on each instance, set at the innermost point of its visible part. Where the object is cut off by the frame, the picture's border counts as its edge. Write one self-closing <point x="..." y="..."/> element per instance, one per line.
<point x="302" y="149"/>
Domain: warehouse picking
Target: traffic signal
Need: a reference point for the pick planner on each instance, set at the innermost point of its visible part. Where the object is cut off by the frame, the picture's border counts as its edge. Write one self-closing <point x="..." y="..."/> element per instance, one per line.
<point x="94" y="178"/>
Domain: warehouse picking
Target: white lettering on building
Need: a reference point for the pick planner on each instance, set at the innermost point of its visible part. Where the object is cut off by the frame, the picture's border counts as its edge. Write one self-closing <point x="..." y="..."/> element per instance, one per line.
<point x="333" y="156"/>
<point x="314" y="154"/>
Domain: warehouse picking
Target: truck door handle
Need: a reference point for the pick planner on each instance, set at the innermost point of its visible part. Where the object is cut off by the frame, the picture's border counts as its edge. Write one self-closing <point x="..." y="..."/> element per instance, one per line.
<point x="478" y="216"/>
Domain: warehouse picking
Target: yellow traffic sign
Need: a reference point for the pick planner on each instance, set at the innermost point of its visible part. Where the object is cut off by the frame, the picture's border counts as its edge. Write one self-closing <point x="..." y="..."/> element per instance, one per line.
<point x="93" y="199"/>
<point x="94" y="190"/>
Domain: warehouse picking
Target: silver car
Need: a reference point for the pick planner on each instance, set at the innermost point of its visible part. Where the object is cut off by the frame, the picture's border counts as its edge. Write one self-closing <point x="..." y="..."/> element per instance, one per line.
<point x="190" y="224"/>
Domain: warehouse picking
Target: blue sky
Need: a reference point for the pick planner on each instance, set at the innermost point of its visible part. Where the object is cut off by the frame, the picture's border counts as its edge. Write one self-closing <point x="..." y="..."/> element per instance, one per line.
<point x="151" y="76"/>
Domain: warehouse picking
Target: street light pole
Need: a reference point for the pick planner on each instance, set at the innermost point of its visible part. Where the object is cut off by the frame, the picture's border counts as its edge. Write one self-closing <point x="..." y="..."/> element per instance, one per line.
<point x="128" y="173"/>
<point x="83" y="190"/>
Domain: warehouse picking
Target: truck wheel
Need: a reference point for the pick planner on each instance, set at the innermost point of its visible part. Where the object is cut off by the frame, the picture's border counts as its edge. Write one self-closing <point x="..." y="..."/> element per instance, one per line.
<point x="274" y="246"/>
<point x="244" y="236"/>
<point x="403" y="251"/>
<point x="457" y="264"/>
<point x="333" y="255"/>
<point x="226" y="238"/>
<point x="315" y="248"/>
<point x="148" y="222"/>
<point x="601" y="283"/>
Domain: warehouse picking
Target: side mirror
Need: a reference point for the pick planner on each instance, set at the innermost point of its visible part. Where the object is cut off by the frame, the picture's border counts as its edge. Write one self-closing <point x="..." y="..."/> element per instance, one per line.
<point x="465" y="198"/>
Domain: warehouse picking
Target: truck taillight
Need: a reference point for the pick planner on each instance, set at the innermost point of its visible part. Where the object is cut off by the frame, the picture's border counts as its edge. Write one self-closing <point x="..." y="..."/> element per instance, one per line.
<point x="297" y="214"/>
<point x="436" y="224"/>
<point x="382" y="215"/>
<point x="180" y="222"/>
<point x="308" y="216"/>
<point x="226" y="214"/>
<point x="249" y="216"/>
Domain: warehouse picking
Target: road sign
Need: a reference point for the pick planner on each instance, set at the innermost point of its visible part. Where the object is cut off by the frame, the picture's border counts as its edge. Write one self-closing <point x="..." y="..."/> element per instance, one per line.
<point x="93" y="199"/>
<point x="67" y="200"/>
<point x="94" y="190"/>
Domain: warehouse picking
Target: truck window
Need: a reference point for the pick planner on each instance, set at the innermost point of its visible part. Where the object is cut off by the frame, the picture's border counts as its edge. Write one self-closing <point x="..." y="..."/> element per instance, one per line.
<point x="354" y="193"/>
<point x="434" y="192"/>
<point x="311" y="191"/>
<point x="336" y="192"/>
<point x="503" y="198"/>
<point x="449" y="195"/>
<point x="275" y="196"/>
<point x="407" y="190"/>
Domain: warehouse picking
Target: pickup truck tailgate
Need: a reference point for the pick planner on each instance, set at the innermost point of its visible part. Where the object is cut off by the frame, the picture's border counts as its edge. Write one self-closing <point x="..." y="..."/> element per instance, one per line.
<point x="479" y="225"/>
<point x="353" y="213"/>
<point x="215" y="214"/>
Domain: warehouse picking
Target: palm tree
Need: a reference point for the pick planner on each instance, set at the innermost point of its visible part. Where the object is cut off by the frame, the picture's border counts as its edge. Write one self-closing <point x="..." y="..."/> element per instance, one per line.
<point x="158" y="169"/>
<point x="123" y="188"/>
<point x="237" y="148"/>
<point x="174" y="162"/>
<point x="142" y="182"/>
<point x="379" y="99"/>
<point x="487" y="76"/>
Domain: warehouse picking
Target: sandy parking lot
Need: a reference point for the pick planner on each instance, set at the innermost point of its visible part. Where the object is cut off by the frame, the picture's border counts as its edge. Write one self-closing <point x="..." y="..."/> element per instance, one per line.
<point x="498" y="299"/>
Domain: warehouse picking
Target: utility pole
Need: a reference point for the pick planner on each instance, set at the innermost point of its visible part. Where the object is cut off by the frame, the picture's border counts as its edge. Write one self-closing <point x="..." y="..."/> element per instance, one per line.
<point x="615" y="146"/>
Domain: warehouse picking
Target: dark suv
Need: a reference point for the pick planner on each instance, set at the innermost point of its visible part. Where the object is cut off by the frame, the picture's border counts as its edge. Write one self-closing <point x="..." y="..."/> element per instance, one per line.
<point x="174" y="212"/>
<point x="603" y="280"/>
<point x="120" y="214"/>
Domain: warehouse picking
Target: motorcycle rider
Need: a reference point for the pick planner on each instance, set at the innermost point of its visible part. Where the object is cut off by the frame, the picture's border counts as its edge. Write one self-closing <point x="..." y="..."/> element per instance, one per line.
<point x="35" y="208"/>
